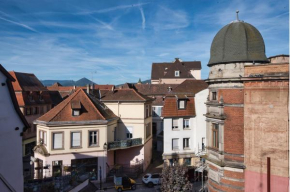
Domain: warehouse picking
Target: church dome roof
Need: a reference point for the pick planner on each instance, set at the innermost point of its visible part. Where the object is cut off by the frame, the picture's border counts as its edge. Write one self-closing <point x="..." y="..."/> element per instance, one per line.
<point x="237" y="42"/>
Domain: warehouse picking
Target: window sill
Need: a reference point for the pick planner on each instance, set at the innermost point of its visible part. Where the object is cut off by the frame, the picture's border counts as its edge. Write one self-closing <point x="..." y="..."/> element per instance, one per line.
<point x="175" y="149"/>
<point x="57" y="149"/>
<point x="75" y="147"/>
<point x="187" y="128"/>
<point x="186" y="148"/>
<point x="92" y="146"/>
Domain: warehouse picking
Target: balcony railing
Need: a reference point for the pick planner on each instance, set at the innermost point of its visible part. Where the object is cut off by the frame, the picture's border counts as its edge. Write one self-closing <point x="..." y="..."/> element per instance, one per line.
<point x="123" y="144"/>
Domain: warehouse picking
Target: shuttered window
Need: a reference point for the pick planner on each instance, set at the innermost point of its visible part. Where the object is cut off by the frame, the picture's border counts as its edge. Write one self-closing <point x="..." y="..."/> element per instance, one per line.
<point x="57" y="140"/>
<point x="175" y="124"/>
<point x="75" y="139"/>
<point x="175" y="144"/>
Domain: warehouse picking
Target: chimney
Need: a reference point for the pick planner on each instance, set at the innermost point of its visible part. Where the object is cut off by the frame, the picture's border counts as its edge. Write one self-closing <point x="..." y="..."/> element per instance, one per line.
<point x="74" y="87"/>
<point x="88" y="89"/>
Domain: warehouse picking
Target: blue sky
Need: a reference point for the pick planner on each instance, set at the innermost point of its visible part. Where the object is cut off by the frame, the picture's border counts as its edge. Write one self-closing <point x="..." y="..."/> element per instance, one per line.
<point x="116" y="41"/>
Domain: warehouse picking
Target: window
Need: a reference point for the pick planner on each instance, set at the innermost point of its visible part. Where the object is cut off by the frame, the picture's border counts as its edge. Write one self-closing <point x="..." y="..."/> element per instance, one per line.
<point x="155" y="176"/>
<point x="147" y="111"/>
<point x="35" y="110"/>
<point x="213" y="95"/>
<point x="41" y="110"/>
<point x="29" y="148"/>
<point x="175" y="144"/>
<point x="129" y="132"/>
<point x="56" y="168"/>
<point x="181" y="104"/>
<point x="76" y="112"/>
<point x="215" y="135"/>
<point x="157" y="111"/>
<point x="202" y="144"/>
<point x="185" y="143"/>
<point x="42" y="137"/>
<point x="176" y="73"/>
<point x="93" y="138"/>
<point x="175" y="124"/>
<point x="148" y="130"/>
<point x="57" y="140"/>
<point x="28" y="111"/>
<point x="187" y="161"/>
<point x="75" y="139"/>
<point x="185" y="123"/>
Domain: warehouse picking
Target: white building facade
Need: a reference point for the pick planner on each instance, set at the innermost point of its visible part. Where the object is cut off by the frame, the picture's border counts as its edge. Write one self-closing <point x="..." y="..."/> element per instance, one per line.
<point x="12" y="123"/>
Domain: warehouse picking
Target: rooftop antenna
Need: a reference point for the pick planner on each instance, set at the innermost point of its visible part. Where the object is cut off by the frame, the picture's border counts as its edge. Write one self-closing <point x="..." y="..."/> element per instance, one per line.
<point x="237" y="11"/>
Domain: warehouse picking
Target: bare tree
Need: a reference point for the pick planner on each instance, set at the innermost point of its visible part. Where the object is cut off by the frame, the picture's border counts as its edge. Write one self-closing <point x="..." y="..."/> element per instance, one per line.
<point x="174" y="178"/>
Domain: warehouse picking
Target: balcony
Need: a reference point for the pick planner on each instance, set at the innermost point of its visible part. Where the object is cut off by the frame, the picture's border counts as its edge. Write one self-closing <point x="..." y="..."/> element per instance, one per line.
<point x="124" y="144"/>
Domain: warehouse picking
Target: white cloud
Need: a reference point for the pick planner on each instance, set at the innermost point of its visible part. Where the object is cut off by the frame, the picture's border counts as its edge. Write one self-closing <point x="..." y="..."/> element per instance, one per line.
<point x="19" y="24"/>
<point x="143" y="17"/>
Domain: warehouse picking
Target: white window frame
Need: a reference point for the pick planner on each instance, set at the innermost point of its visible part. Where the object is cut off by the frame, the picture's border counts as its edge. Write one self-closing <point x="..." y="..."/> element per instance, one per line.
<point x="177" y="73"/>
<point x="179" y="104"/>
<point x="53" y="140"/>
<point x="95" y="138"/>
<point x="186" y="143"/>
<point x="184" y="124"/>
<point x="73" y="145"/>
<point x="76" y="112"/>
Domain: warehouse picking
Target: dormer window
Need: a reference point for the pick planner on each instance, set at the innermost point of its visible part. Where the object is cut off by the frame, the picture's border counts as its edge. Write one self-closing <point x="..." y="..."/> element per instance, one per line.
<point x="76" y="112"/>
<point x="76" y="108"/>
<point x="176" y="73"/>
<point x="181" y="104"/>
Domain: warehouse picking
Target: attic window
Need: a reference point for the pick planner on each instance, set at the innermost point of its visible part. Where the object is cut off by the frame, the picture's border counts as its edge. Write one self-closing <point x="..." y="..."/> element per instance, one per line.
<point x="181" y="104"/>
<point x="76" y="108"/>
<point x="176" y="73"/>
<point x="76" y="112"/>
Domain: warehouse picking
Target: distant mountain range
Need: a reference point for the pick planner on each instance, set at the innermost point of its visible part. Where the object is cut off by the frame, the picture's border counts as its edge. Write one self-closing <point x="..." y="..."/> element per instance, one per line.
<point x="143" y="82"/>
<point x="81" y="82"/>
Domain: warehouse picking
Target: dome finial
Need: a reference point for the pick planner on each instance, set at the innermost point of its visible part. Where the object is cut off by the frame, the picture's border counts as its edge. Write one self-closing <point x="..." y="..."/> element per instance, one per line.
<point x="237" y="11"/>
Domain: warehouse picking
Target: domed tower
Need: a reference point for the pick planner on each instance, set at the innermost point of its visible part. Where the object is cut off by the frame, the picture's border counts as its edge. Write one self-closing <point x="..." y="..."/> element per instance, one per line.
<point x="236" y="45"/>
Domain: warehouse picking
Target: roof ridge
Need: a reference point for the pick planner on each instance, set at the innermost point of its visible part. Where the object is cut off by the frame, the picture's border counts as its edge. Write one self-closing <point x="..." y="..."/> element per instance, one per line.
<point x="67" y="100"/>
<point x="87" y="96"/>
<point x="139" y="94"/>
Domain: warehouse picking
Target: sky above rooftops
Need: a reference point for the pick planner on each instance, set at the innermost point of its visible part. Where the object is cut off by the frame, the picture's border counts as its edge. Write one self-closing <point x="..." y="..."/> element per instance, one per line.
<point x="113" y="42"/>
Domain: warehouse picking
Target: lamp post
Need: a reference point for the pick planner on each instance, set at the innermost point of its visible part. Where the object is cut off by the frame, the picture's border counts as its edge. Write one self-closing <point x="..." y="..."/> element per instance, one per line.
<point x="100" y="177"/>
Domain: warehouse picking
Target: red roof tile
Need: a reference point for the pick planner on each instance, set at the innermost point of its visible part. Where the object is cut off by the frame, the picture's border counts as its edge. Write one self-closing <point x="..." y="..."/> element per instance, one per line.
<point x="91" y="110"/>
<point x="190" y="87"/>
<point x="170" y="108"/>
<point x="26" y="82"/>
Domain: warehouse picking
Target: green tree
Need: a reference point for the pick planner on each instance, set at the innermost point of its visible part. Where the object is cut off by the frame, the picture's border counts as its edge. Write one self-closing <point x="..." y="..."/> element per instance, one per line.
<point x="174" y="178"/>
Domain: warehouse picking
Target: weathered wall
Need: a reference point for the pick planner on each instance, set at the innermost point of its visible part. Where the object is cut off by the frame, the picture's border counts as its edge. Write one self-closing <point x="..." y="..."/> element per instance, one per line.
<point x="266" y="130"/>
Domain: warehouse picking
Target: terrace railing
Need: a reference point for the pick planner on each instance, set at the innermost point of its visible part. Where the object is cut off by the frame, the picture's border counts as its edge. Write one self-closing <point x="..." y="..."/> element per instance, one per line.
<point x="123" y="144"/>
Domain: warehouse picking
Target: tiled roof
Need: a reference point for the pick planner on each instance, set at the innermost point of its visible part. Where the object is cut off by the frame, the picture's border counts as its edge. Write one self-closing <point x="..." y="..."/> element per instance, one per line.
<point x="158" y="100"/>
<point x="26" y="98"/>
<point x="170" y="108"/>
<point x="167" y="70"/>
<point x="190" y="87"/>
<point x="123" y="95"/>
<point x="26" y="82"/>
<point x="55" y="97"/>
<point x="91" y="110"/>
<point x="154" y="89"/>
<point x="186" y="90"/>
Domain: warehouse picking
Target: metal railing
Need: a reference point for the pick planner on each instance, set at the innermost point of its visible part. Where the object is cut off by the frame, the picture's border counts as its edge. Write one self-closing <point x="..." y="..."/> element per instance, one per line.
<point x="123" y="144"/>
